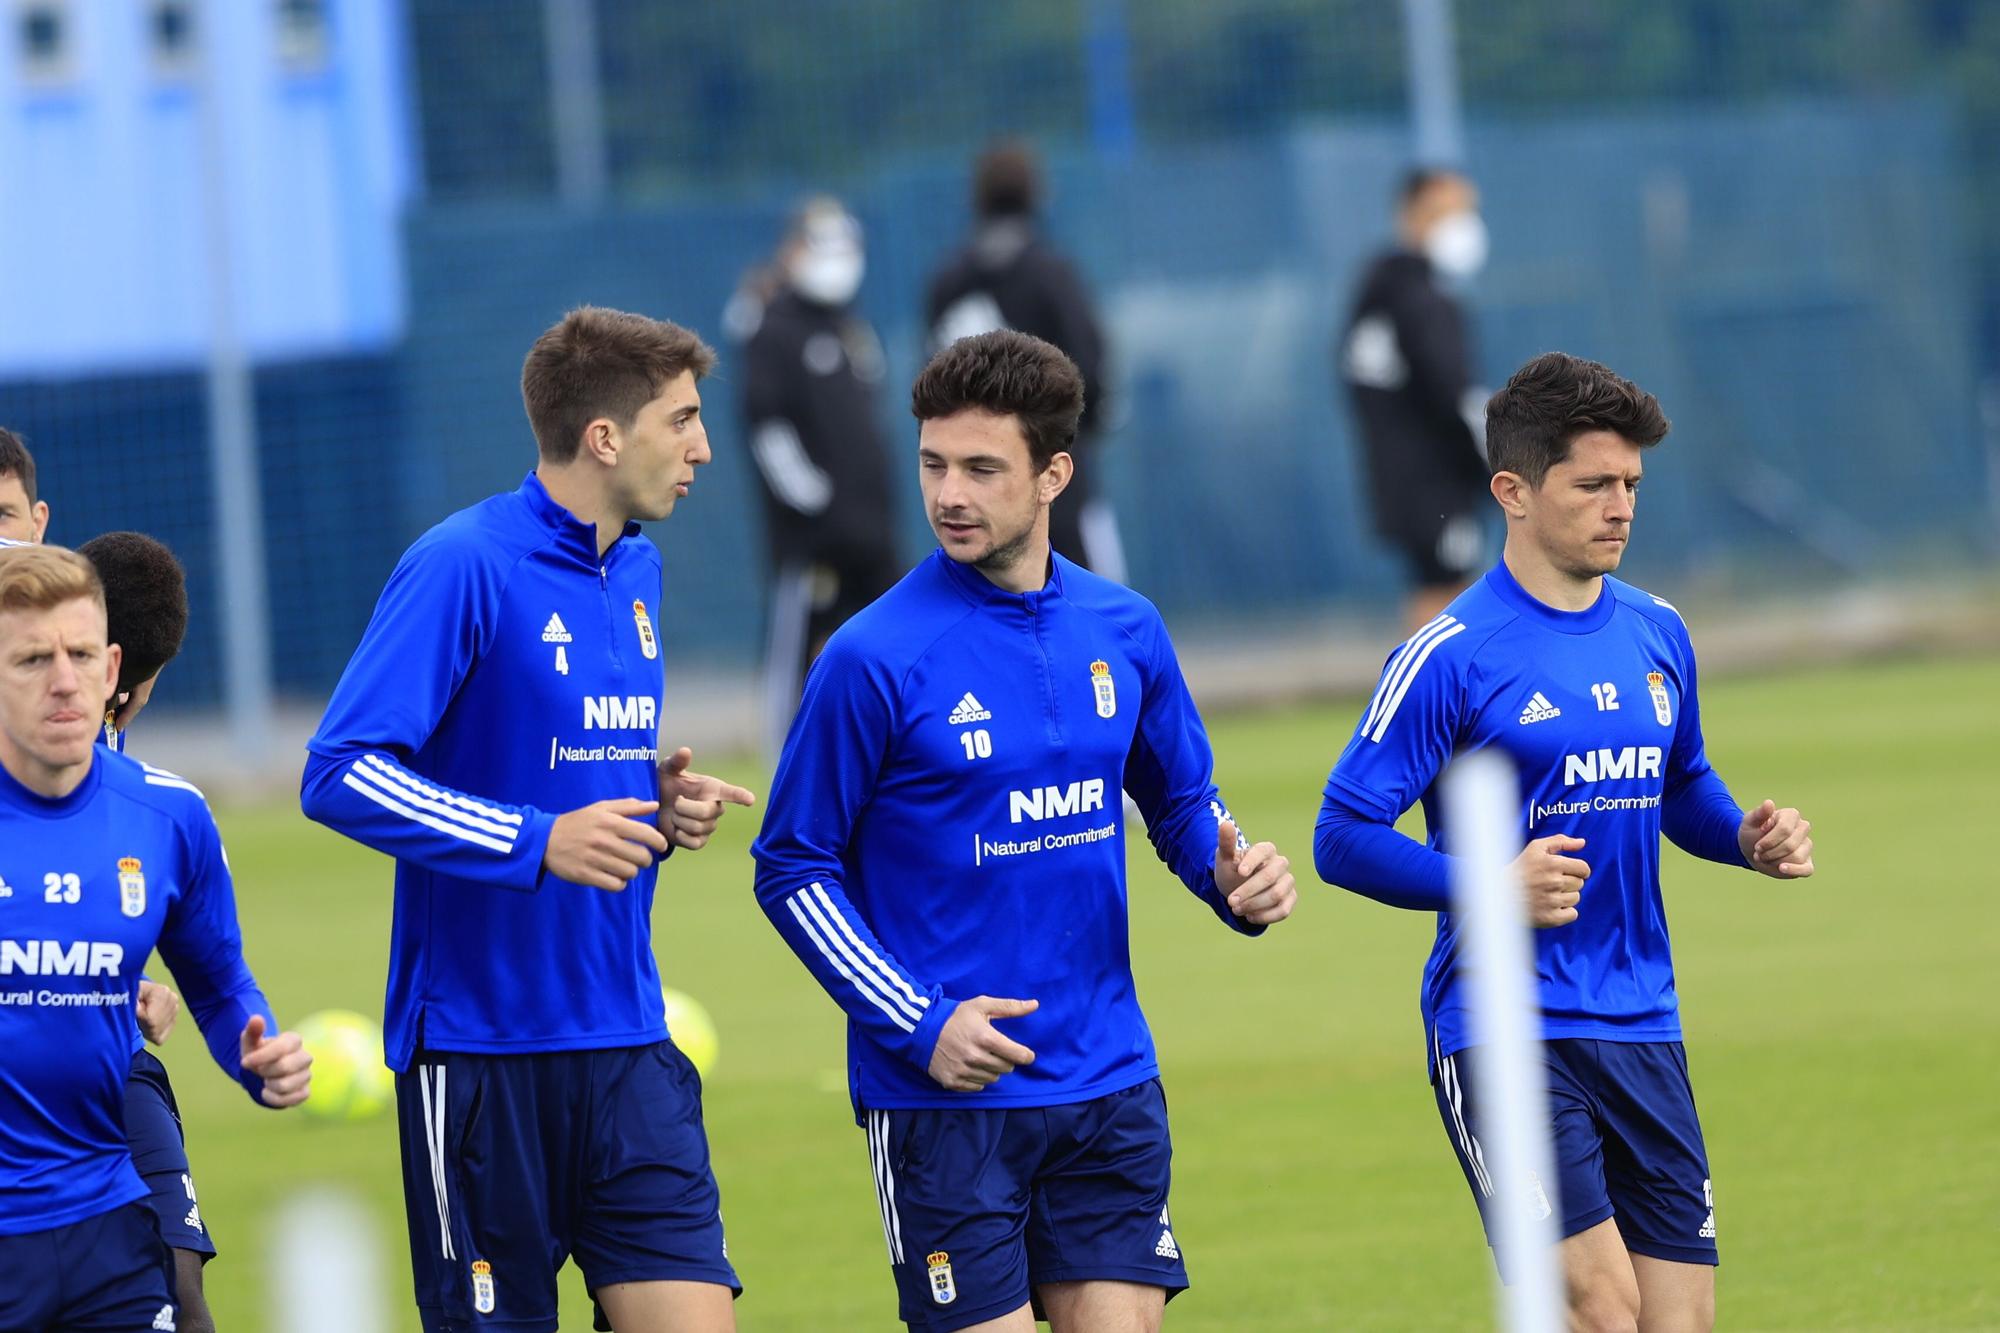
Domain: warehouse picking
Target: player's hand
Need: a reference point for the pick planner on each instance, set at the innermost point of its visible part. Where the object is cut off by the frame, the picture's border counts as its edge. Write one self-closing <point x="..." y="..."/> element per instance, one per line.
<point x="1255" y="880"/>
<point x="1775" y="842"/>
<point x="691" y="804"/>
<point x="282" y="1062"/>
<point x="971" y="1053"/>
<point x="1552" y="882"/>
<point x="158" y="1008"/>
<point x="603" y="846"/>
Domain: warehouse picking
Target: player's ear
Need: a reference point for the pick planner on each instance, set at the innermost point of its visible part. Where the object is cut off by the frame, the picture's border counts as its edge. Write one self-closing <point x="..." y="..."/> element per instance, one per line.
<point x="1055" y="477"/>
<point x="114" y="657"/>
<point x="601" y="440"/>
<point x="1509" y="488"/>
<point x="39" y="515"/>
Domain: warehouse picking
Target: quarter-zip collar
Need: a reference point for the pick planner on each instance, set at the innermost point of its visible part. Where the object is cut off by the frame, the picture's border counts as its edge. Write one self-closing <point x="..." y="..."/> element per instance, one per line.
<point x="976" y="588"/>
<point x="573" y="535"/>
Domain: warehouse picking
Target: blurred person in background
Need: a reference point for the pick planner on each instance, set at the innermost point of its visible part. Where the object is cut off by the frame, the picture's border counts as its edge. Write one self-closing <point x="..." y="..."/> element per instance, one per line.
<point x="811" y="370"/>
<point x="1008" y="277"/>
<point x="146" y="614"/>
<point x="1407" y="359"/>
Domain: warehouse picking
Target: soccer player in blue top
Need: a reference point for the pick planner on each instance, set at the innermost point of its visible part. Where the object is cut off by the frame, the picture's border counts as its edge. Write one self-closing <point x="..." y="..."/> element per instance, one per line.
<point x="146" y="616"/>
<point x="497" y="733"/>
<point x="945" y="850"/>
<point x="1588" y="685"/>
<point x="101" y="859"/>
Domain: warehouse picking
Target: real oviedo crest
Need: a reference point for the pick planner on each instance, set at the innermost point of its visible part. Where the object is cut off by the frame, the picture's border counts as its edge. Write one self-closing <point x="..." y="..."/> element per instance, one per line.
<point x="1104" y="687"/>
<point x="1656" y="685"/>
<point x="943" y="1289"/>
<point x="482" y="1286"/>
<point x="648" y="645"/>
<point x="131" y="887"/>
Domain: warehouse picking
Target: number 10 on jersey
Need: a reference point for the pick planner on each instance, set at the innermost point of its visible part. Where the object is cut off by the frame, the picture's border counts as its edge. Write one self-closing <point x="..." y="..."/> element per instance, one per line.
<point x="978" y="744"/>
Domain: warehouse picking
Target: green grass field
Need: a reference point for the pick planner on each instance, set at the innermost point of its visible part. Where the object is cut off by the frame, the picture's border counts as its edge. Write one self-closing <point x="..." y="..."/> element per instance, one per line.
<point x="1844" y="1034"/>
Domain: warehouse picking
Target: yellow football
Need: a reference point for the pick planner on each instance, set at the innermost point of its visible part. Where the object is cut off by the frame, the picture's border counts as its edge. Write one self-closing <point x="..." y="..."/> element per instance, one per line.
<point x="349" y="1079"/>
<point x="692" y="1029"/>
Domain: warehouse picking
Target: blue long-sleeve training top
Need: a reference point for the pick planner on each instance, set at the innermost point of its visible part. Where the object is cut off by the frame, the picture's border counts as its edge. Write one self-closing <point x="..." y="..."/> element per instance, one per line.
<point x="946" y="822"/>
<point x="90" y="884"/>
<point x="1598" y="711"/>
<point x="509" y="675"/>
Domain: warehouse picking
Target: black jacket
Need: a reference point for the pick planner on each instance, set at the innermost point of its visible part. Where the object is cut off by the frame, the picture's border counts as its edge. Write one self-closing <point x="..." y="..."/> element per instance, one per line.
<point x="1406" y="358"/>
<point x="810" y="375"/>
<point x="1009" y="277"/>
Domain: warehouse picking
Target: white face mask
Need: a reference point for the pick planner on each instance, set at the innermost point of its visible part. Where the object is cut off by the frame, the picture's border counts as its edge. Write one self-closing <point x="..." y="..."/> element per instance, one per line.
<point x="828" y="264"/>
<point x="828" y="275"/>
<point x="1456" y="245"/>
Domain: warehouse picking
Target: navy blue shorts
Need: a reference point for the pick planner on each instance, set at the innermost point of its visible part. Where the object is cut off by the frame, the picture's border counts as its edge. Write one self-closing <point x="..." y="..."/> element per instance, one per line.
<point x="106" y="1274"/>
<point x="1627" y="1144"/>
<point x="159" y="1150"/>
<point x="981" y="1207"/>
<point x="513" y="1164"/>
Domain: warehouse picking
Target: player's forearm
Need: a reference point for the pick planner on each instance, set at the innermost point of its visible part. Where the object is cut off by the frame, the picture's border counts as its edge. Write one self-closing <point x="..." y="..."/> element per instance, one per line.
<point x="877" y="993"/>
<point x="368" y="796"/>
<point x="1703" y="819"/>
<point x="222" y="1016"/>
<point x="1187" y="845"/>
<point x="1354" y="851"/>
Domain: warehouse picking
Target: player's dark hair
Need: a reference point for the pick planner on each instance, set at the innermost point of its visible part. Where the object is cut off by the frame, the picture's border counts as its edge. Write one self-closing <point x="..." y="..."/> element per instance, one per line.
<point x="1417" y="180"/>
<point x="145" y="601"/>
<point x="602" y="363"/>
<point x="1007" y="180"/>
<point x="1007" y="373"/>
<point x="16" y="461"/>
<point x="1556" y="397"/>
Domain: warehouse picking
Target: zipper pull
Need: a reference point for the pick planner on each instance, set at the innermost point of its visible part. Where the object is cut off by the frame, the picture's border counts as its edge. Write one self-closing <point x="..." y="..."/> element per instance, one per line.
<point x="603" y="576"/>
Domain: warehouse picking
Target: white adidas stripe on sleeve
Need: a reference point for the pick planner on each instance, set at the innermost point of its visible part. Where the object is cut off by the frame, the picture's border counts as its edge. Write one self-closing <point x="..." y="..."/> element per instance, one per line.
<point x="887" y="973"/>
<point x="868" y="994"/>
<point x="414" y="793"/>
<point x="395" y="806"/>
<point x="1441" y="629"/>
<point x="1394" y="671"/>
<point x="407" y="779"/>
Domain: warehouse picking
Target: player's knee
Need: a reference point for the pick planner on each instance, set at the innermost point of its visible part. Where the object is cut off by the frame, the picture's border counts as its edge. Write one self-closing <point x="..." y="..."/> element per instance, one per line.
<point x="1603" y="1303"/>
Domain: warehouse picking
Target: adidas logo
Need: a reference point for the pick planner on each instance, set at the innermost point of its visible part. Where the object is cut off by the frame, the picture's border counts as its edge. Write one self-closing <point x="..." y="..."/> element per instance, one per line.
<point x="555" y="631"/>
<point x="1165" y="1246"/>
<point x="164" y="1320"/>
<point x="193" y="1220"/>
<point x="1708" y="1228"/>
<point x="969" y="710"/>
<point x="1539" y="709"/>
